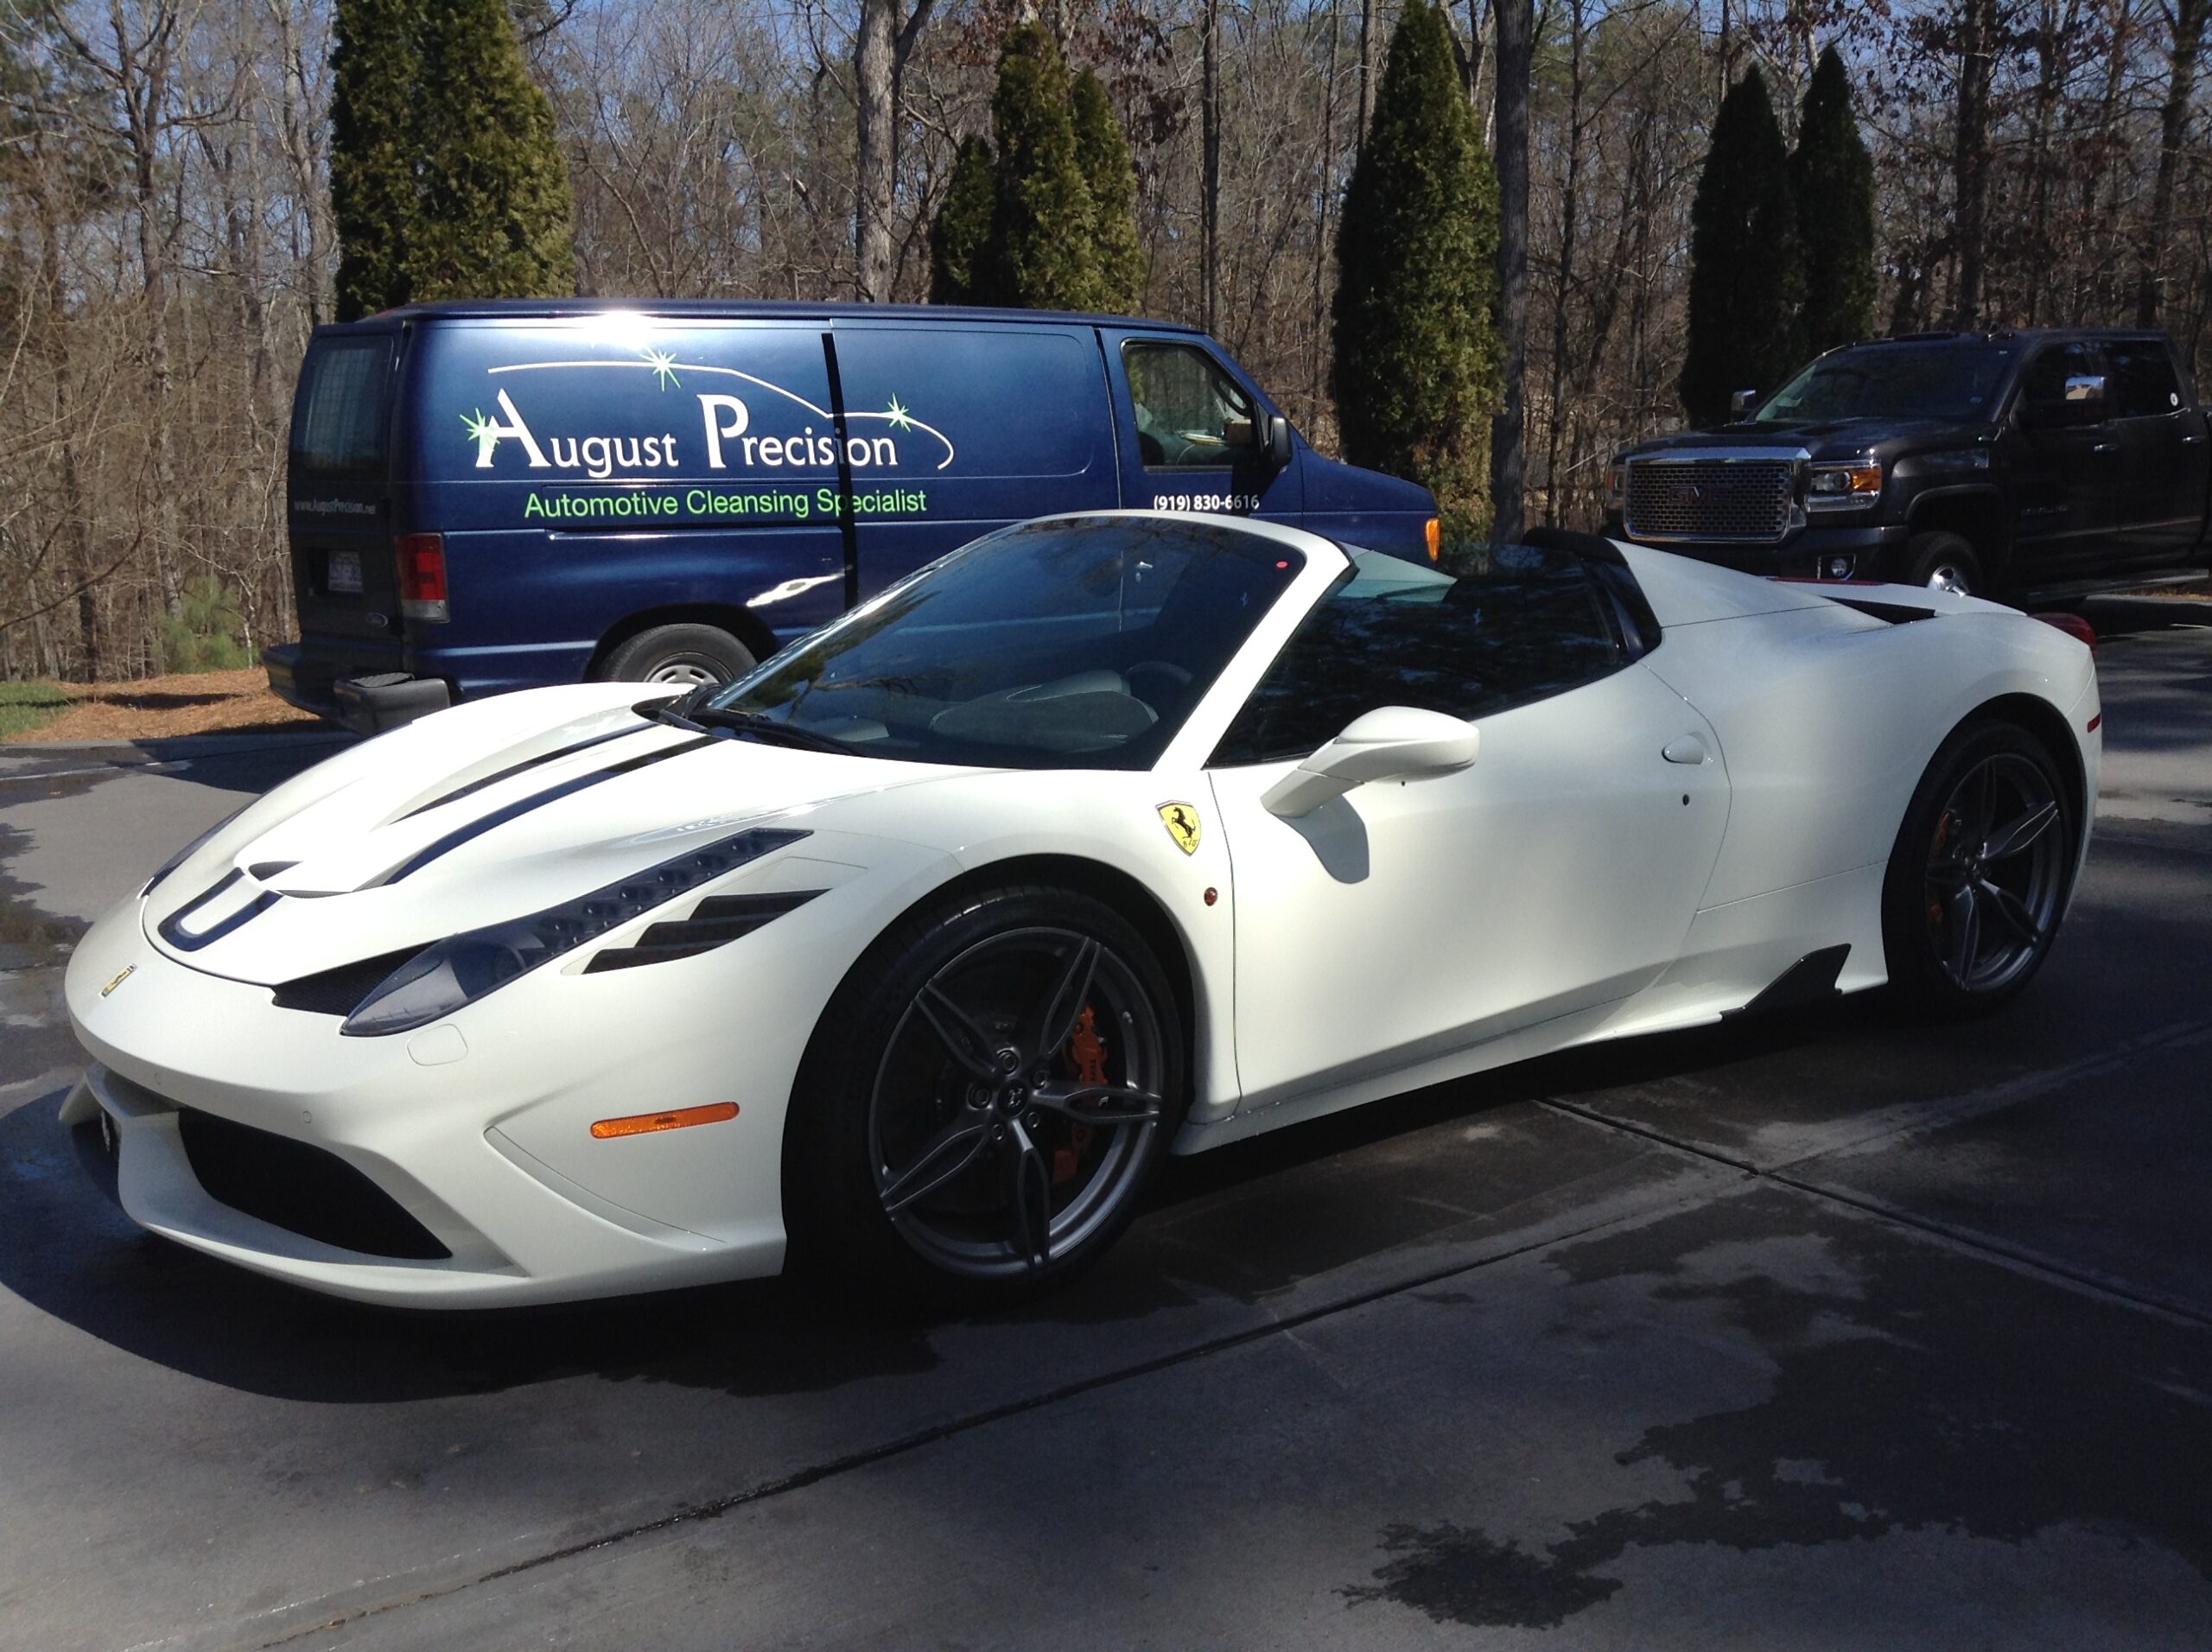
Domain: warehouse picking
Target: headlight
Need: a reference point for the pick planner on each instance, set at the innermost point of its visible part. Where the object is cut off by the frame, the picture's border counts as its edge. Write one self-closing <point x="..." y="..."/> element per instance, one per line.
<point x="1842" y="487"/>
<point x="447" y="974"/>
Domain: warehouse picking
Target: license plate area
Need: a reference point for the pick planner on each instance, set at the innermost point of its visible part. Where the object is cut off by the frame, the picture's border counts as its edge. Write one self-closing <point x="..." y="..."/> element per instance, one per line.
<point x="341" y="573"/>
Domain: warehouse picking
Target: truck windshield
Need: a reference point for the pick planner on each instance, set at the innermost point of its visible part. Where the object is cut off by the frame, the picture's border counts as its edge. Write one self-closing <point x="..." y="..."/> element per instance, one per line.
<point x="1955" y="381"/>
<point x="1076" y="642"/>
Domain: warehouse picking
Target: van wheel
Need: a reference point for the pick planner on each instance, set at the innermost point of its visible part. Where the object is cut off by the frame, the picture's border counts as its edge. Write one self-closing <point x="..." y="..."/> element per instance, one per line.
<point x="1942" y="562"/>
<point x="686" y="655"/>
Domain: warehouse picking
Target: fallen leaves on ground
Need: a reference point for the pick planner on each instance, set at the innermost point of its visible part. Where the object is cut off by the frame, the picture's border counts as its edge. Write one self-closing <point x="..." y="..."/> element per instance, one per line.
<point x="159" y="707"/>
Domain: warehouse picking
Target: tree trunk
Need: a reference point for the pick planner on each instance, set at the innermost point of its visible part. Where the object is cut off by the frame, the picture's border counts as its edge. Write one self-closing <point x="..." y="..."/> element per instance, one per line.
<point x="1516" y="30"/>
<point x="1210" y="184"/>
<point x="2173" y="121"/>
<point x="1570" y="200"/>
<point x="881" y="48"/>
<point x="1970" y="153"/>
<point x="1366" y="70"/>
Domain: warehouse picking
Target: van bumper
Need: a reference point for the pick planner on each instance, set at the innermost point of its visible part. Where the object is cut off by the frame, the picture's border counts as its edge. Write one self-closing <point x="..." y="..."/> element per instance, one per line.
<point x="368" y="701"/>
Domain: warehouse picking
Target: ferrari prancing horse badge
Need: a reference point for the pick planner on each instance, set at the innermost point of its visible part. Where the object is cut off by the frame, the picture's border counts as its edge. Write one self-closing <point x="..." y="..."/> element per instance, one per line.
<point x="1182" y="822"/>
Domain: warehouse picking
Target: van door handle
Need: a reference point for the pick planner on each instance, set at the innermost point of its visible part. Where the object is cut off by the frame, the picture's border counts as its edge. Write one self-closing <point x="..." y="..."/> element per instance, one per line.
<point x="1685" y="748"/>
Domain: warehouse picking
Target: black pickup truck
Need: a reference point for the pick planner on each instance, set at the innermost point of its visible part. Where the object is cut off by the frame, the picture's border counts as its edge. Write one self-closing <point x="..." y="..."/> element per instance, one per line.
<point x="1999" y="463"/>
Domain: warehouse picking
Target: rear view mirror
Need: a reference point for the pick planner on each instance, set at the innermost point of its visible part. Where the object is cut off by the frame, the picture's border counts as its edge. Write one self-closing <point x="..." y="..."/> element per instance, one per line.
<point x="1390" y="743"/>
<point x="1742" y="403"/>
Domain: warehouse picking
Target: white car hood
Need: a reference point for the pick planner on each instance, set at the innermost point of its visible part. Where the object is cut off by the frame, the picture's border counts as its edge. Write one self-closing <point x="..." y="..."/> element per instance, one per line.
<point x="489" y="812"/>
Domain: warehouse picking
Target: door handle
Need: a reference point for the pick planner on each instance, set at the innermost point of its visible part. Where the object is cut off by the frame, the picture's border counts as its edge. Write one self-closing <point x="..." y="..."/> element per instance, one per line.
<point x="2104" y="446"/>
<point x="1685" y="749"/>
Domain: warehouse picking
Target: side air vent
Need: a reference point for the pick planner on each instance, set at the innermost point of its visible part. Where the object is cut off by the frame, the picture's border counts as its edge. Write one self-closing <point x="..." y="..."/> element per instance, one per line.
<point x="716" y="921"/>
<point x="335" y="992"/>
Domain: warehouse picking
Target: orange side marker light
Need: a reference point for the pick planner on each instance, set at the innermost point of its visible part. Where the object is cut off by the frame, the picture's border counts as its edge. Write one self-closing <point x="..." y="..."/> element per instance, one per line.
<point x="645" y="1124"/>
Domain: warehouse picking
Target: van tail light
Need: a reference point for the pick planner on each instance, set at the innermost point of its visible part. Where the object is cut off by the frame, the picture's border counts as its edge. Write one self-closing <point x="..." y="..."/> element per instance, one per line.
<point x="2074" y="626"/>
<point x="422" y="560"/>
<point x="1435" y="538"/>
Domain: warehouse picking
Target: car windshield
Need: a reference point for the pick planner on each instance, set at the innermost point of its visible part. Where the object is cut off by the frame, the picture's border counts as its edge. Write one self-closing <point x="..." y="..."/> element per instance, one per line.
<point x="1948" y="380"/>
<point x="1077" y="643"/>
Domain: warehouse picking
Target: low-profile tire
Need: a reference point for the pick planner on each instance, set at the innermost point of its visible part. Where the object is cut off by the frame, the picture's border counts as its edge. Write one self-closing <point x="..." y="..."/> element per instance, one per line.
<point x="687" y="655"/>
<point x="1942" y="562"/>
<point x="1981" y="875"/>
<point x="923" y="1158"/>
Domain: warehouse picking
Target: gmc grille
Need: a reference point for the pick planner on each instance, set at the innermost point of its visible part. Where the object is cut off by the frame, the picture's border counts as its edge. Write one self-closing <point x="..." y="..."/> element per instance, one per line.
<point x="1744" y="499"/>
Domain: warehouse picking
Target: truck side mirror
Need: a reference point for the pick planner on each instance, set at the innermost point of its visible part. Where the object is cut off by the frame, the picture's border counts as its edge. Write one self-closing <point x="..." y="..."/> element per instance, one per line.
<point x="1279" y="450"/>
<point x="2085" y="394"/>
<point x="1742" y="403"/>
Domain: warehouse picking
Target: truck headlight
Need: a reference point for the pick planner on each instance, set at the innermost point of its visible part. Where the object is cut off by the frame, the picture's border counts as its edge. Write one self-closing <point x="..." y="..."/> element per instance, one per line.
<point x="1842" y="487"/>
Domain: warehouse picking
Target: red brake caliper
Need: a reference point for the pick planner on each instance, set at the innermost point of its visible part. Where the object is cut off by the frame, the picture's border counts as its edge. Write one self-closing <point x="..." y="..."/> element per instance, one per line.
<point x="1087" y="1051"/>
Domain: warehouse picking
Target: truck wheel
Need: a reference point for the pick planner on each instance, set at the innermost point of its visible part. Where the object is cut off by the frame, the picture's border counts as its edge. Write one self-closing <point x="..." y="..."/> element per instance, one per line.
<point x="1942" y="562"/>
<point x="688" y="654"/>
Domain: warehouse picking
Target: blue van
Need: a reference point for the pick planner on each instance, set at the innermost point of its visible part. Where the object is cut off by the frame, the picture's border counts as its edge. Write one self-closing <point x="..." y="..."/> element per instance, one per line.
<point x="486" y="496"/>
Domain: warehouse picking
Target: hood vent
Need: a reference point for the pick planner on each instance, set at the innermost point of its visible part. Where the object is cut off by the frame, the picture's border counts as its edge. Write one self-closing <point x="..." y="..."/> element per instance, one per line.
<point x="716" y="921"/>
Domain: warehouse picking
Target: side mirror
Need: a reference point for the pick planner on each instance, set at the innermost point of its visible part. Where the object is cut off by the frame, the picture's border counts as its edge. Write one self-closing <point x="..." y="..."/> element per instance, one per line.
<point x="2085" y="394"/>
<point x="1742" y="403"/>
<point x="1279" y="450"/>
<point x="1390" y="743"/>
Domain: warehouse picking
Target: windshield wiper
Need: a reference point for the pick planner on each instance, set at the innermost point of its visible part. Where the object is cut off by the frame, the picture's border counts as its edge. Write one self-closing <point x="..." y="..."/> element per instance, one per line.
<point x="772" y="729"/>
<point x="676" y="712"/>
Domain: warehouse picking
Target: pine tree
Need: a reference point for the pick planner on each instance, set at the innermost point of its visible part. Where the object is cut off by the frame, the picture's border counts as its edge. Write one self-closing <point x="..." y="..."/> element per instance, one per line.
<point x="961" y="253"/>
<point x="1833" y="178"/>
<point x="1416" y="371"/>
<point x="1746" y="276"/>
<point x="373" y="192"/>
<point x="496" y="206"/>
<point x="1041" y="226"/>
<point x="1104" y="154"/>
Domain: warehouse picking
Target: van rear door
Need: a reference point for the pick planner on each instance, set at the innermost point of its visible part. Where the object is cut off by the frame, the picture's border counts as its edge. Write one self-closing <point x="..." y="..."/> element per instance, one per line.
<point x="953" y="429"/>
<point x="1192" y="431"/>
<point x="337" y="506"/>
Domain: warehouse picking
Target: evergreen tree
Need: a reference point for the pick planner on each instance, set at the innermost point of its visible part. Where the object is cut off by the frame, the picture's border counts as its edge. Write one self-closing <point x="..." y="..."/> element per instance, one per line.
<point x="496" y="206"/>
<point x="1833" y="178"/>
<point x="374" y="191"/>
<point x="961" y="252"/>
<point x="1104" y="154"/>
<point x="1746" y="276"/>
<point x="1417" y="372"/>
<point x="1041" y="226"/>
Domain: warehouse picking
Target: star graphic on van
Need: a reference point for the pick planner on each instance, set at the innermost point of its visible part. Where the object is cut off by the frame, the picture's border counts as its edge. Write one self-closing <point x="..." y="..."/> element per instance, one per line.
<point x="662" y="362"/>
<point x="481" y="431"/>
<point x="898" y="415"/>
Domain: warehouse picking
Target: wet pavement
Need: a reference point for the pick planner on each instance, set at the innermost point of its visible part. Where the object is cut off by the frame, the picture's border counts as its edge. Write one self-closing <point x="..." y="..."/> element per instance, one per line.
<point x="1827" y="1330"/>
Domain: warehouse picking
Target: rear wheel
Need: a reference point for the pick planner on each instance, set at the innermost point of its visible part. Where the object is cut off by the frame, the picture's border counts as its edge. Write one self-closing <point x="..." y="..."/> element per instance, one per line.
<point x="1980" y="876"/>
<point x="1942" y="562"/>
<point x="687" y="655"/>
<point x="985" y="1100"/>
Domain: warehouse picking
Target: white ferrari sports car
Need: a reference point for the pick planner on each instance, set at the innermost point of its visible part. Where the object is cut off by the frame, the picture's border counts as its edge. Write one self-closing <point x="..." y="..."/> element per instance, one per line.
<point x="907" y="956"/>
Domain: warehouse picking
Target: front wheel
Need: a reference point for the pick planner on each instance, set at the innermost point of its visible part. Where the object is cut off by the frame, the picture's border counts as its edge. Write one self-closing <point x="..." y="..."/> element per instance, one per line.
<point x="1942" y="562"/>
<point x="1980" y="874"/>
<point x="986" y="1099"/>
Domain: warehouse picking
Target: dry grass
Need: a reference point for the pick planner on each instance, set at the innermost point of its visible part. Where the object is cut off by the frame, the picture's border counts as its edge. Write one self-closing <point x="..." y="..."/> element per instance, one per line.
<point x="202" y="703"/>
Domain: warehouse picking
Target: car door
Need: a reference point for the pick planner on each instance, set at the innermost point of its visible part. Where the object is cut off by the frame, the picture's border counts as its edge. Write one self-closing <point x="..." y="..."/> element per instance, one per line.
<point x="2067" y="494"/>
<point x="1191" y="435"/>
<point x="2164" y="456"/>
<point x="1404" y="921"/>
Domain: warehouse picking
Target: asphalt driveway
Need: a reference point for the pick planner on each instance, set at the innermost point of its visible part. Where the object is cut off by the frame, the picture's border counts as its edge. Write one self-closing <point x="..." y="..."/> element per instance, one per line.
<point x="1821" y="1331"/>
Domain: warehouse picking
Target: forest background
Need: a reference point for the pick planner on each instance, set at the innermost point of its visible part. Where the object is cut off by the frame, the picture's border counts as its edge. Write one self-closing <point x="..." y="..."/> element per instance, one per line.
<point x="167" y="238"/>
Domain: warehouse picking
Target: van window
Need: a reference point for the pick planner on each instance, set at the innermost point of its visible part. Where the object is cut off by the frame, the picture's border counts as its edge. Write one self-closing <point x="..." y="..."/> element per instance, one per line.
<point x="1184" y="404"/>
<point x="341" y="420"/>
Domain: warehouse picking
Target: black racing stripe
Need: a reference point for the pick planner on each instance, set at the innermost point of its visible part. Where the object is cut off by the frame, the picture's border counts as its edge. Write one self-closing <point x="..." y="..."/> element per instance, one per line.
<point x="172" y="927"/>
<point x="453" y="840"/>
<point x="514" y="769"/>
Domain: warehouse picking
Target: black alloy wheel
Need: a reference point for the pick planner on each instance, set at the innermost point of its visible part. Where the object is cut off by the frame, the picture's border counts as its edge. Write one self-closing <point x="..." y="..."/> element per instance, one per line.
<point x="987" y="1099"/>
<point x="1981" y="871"/>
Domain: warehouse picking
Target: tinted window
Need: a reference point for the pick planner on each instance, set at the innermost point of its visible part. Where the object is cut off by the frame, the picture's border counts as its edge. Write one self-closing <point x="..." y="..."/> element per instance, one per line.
<point x="2042" y="387"/>
<point x="339" y="424"/>
<point x="1933" y="380"/>
<point x="2142" y="382"/>
<point x="1396" y="634"/>
<point x="1184" y="405"/>
<point x="1055" y="644"/>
